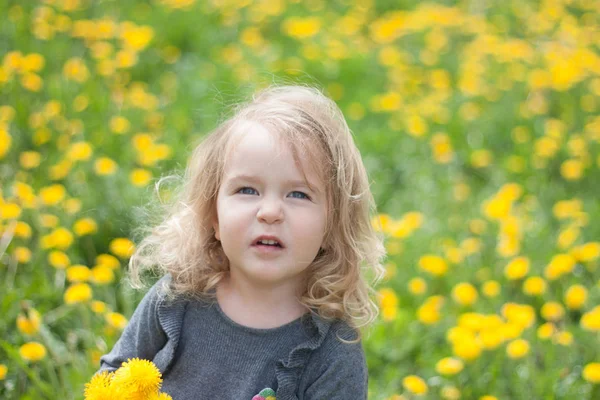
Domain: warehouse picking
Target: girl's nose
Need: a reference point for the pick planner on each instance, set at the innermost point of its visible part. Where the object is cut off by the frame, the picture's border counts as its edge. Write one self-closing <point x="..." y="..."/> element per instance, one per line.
<point x="270" y="211"/>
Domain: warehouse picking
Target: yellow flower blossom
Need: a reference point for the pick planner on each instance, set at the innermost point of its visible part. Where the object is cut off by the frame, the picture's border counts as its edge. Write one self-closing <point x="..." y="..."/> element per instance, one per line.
<point x="78" y="273"/>
<point x="100" y="388"/>
<point x="434" y="265"/>
<point x="140" y="177"/>
<point x="591" y="372"/>
<point x="136" y="37"/>
<point x="116" y="320"/>
<point x="518" y="348"/>
<point x="517" y="268"/>
<point x="85" y="226"/>
<point x="58" y="259"/>
<point x="78" y="293"/>
<point x="417" y="286"/>
<point x="575" y="297"/>
<point x="29" y="324"/>
<point x="29" y="159"/>
<point x="464" y="294"/>
<point x="449" y="366"/>
<point x="552" y="311"/>
<point x="301" y="28"/>
<point x="534" y="286"/>
<point x="415" y="385"/>
<point x="32" y="351"/>
<point x="52" y="195"/>
<point x="108" y="260"/>
<point x="76" y="70"/>
<point x="490" y="289"/>
<point x="122" y="247"/>
<point x="102" y="275"/>
<point x="105" y="166"/>
<point x="80" y="151"/>
<point x="3" y="371"/>
<point x="545" y="331"/>
<point x="22" y="254"/>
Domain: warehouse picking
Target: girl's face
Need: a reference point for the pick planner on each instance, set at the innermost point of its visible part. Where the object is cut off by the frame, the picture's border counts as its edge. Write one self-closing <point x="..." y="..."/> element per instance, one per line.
<point x="263" y="195"/>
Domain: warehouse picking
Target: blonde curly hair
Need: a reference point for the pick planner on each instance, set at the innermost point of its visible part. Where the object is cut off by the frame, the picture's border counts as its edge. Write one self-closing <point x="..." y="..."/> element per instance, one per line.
<point x="340" y="280"/>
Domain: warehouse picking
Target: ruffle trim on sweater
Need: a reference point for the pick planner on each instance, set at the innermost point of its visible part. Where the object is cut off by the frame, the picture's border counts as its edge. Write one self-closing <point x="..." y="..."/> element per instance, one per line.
<point x="170" y="316"/>
<point x="289" y="371"/>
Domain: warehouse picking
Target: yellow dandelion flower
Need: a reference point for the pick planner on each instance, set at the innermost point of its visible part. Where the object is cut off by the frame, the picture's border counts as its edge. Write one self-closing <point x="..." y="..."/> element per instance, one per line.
<point x="10" y="211"/>
<point x="572" y="170"/>
<point x="119" y="124"/>
<point x="102" y="275"/>
<point x="449" y="366"/>
<point x="545" y="331"/>
<point x="78" y="293"/>
<point x="590" y="321"/>
<point x="587" y="252"/>
<point x="517" y="268"/>
<point x="138" y="376"/>
<point x="105" y="166"/>
<point x="78" y="273"/>
<point x="165" y="396"/>
<point x="534" y="286"/>
<point x="58" y="259"/>
<point x="100" y="388"/>
<point x="552" y="311"/>
<point x="85" y="226"/>
<point x="76" y="70"/>
<point x="301" y="28"/>
<point x="469" y="348"/>
<point x="62" y="238"/>
<point x="517" y="348"/>
<point x="22" y="254"/>
<point x="3" y="371"/>
<point x="136" y="37"/>
<point x="32" y="351"/>
<point x="22" y="230"/>
<point x="435" y="265"/>
<point x="140" y="177"/>
<point x="417" y="286"/>
<point x="108" y="260"/>
<point x="122" y="247"/>
<point x="490" y="289"/>
<point x="116" y="320"/>
<point x="481" y="158"/>
<point x="29" y="324"/>
<point x="29" y="159"/>
<point x="415" y="385"/>
<point x="488" y="397"/>
<point x="464" y="294"/>
<point x="52" y="195"/>
<point x="591" y="372"/>
<point x="72" y="206"/>
<point x="99" y="307"/>
<point x="450" y="393"/>
<point x="80" y="151"/>
<point x="576" y="296"/>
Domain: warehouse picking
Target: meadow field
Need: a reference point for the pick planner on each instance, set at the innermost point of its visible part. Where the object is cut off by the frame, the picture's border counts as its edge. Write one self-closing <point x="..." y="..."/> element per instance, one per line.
<point x="478" y="122"/>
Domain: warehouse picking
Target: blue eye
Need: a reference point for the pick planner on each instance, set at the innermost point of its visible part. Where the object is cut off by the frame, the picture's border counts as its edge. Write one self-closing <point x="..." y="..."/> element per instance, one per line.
<point x="302" y="194"/>
<point x="246" y="190"/>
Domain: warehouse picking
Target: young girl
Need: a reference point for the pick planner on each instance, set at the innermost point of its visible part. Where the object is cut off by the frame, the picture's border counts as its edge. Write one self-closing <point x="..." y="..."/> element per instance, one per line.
<point x="265" y="256"/>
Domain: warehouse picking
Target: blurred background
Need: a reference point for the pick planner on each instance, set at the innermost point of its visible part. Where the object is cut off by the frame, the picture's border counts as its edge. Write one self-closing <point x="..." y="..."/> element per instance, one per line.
<point x="478" y="122"/>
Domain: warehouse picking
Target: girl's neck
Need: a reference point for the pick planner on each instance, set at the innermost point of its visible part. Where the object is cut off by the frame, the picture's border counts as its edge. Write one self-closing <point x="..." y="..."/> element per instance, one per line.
<point x="256" y="307"/>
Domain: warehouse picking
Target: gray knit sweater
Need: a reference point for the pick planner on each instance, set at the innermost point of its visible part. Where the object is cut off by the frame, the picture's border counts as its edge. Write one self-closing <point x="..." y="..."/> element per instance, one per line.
<point x="203" y="354"/>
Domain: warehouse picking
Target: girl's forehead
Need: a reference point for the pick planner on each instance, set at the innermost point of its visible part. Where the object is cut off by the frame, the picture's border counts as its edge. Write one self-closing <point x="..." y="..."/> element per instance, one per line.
<point x="306" y="154"/>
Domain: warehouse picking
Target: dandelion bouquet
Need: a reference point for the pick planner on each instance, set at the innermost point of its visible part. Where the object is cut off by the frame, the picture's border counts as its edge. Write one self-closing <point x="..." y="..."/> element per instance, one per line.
<point x="136" y="379"/>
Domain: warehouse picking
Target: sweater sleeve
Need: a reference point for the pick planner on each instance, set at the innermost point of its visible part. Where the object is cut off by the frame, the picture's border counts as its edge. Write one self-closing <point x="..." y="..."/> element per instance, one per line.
<point x="143" y="336"/>
<point x="342" y="374"/>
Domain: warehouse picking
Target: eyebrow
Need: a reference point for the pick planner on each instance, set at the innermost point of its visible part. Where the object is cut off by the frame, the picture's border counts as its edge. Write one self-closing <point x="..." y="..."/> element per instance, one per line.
<point x="251" y="178"/>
